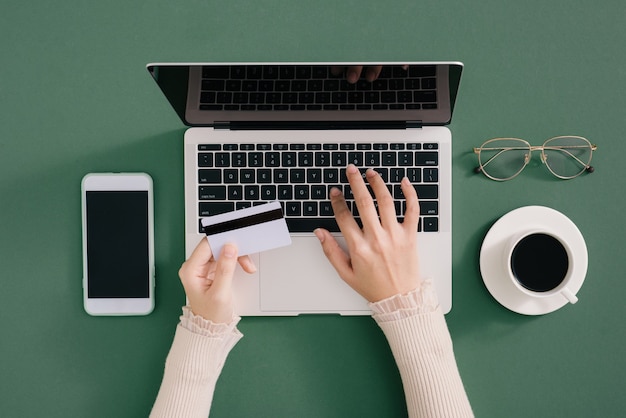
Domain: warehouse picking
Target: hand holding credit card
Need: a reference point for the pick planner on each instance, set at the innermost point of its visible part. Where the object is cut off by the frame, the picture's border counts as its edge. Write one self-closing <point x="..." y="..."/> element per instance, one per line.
<point x="253" y="230"/>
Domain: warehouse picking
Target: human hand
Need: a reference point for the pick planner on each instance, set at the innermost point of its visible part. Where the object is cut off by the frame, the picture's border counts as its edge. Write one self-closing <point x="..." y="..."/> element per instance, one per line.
<point x="382" y="257"/>
<point x="207" y="282"/>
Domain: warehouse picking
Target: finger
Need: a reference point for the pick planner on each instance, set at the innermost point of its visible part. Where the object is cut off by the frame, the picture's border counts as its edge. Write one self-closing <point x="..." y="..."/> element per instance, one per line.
<point x="347" y="225"/>
<point x="386" y="206"/>
<point x="412" y="213"/>
<point x="225" y="269"/>
<point x="353" y="74"/>
<point x="362" y="198"/>
<point x="373" y="72"/>
<point x="337" y="257"/>
<point x="202" y="254"/>
<point x="247" y="264"/>
<point x="198" y="262"/>
<point x="336" y="70"/>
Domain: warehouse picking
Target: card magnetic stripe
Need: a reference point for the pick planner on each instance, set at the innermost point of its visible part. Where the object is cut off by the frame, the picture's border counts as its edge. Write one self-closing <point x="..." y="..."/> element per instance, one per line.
<point x="246" y="221"/>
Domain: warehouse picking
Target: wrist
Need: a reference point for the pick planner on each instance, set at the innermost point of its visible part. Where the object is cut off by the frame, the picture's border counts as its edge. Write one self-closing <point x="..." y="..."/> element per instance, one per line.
<point x="421" y="300"/>
<point x="200" y="325"/>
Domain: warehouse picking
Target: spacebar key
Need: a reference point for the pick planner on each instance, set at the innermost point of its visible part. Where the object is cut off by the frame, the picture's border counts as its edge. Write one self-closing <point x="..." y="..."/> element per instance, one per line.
<point x="309" y="224"/>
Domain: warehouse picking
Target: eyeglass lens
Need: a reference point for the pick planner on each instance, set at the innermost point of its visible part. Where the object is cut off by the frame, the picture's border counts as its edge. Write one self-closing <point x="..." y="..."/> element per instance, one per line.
<point x="502" y="159"/>
<point x="567" y="156"/>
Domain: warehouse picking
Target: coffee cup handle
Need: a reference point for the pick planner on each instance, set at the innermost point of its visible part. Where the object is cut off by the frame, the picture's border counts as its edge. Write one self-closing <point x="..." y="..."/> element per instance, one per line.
<point x="571" y="298"/>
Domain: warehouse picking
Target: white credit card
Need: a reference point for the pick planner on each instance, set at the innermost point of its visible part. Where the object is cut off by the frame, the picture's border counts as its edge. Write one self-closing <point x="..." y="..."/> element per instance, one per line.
<point x="254" y="229"/>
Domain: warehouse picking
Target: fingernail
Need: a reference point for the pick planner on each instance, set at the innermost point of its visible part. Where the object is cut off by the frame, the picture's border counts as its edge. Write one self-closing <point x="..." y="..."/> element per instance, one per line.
<point x="371" y="173"/>
<point x="351" y="168"/>
<point x="319" y="234"/>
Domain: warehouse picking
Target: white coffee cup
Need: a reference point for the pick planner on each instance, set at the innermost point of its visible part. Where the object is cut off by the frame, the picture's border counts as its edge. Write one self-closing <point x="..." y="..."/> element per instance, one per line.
<point x="540" y="263"/>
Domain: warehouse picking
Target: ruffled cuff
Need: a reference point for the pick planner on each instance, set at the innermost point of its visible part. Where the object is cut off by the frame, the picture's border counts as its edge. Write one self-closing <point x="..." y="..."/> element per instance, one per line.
<point x="421" y="300"/>
<point x="199" y="325"/>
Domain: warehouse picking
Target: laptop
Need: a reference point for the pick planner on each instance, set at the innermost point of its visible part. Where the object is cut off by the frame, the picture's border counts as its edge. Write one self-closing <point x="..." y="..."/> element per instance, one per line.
<point x="261" y="132"/>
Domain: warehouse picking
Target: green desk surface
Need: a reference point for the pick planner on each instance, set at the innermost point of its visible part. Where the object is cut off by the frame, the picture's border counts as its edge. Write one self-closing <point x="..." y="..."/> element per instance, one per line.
<point x="75" y="97"/>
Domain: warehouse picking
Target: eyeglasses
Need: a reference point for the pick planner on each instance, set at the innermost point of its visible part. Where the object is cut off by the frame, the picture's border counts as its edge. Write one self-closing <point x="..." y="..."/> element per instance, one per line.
<point x="504" y="158"/>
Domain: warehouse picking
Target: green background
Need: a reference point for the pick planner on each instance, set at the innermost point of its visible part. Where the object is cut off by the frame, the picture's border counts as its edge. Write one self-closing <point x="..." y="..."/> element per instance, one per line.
<point x="75" y="98"/>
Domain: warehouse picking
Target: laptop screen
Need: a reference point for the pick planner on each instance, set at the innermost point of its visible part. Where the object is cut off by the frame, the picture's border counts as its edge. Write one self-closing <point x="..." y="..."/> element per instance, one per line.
<point x="299" y="95"/>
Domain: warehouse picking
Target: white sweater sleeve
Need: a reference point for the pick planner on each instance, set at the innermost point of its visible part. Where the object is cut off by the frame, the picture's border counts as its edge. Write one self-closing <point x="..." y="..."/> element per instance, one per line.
<point x="193" y="366"/>
<point x="421" y="345"/>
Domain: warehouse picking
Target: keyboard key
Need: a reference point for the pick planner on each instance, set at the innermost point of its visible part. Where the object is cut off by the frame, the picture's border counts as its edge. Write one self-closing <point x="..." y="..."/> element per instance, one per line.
<point x="424" y="191"/>
<point x="430" y="224"/>
<point x="205" y="159"/>
<point x="326" y="208"/>
<point x="414" y="174"/>
<point x="293" y="209"/>
<point x="309" y="224"/>
<point x="301" y="192"/>
<point x="297" y="175"/>
<point x="314" y="175"/>
<point x="251" y="192"/>
<point x="322" y="159"/>
<point x="281" y="175"/>
<point x="372" y="159"/>
<point x="428" y="207"/>
<point x="247" y="176"/>
<point x="268" y="192"/>
<point x="339" y="159"/>
<point x="214" y="208"/>
<point x="405" y="158"/>
<point x="231" y="176"/>
<point x="264" y="175"/>
<point x="426" y="158"/>
<point x="309" y="208"/>
<point x="389" y="158"/>
<point x="318" y="192"/>
<point x="356" y="158"/>
<point x="285" y="192"/>
<point x="239" y="159"/>
<point x="331" y="175"/>
<point x="305" y="159"/>
<point x="209" y="176"/>
<point x="212" y="193"/>
<point x="431" y="175"/>
<point x="235" y="192"/>
<point x="222" y="159"/>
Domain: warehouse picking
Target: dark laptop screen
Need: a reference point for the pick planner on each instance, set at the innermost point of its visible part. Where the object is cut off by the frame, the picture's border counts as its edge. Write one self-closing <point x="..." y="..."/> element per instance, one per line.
<point x="290" y="94"/>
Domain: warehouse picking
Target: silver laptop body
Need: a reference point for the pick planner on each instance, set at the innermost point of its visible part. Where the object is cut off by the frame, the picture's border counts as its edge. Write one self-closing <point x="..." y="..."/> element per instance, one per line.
<point x="285" y="131"/>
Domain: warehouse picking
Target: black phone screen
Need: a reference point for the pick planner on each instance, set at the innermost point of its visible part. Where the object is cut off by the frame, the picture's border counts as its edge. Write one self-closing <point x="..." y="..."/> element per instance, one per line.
<point x="117" y="244"/>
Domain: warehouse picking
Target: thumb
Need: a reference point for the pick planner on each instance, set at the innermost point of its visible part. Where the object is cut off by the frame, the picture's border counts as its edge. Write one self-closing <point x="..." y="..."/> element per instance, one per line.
<point x="337" y="257"/>
<point x="225" y="269"/>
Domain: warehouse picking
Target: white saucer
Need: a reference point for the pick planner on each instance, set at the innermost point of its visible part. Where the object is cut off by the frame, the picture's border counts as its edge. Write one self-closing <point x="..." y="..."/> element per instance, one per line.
<point x="493" y="269"/>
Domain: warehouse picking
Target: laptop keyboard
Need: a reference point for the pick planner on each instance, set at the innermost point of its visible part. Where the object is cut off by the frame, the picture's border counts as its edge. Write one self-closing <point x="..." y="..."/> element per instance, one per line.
<point x="315" y="87"/>
<point x="300" y="176"/>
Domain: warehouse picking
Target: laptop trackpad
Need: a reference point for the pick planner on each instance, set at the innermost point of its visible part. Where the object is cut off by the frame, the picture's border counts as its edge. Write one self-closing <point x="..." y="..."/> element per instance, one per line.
<point x="299" y="279"/>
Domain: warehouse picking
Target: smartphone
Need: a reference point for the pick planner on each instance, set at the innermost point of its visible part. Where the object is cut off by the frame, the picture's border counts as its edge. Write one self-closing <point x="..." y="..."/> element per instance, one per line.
<point x="118" y="243"/>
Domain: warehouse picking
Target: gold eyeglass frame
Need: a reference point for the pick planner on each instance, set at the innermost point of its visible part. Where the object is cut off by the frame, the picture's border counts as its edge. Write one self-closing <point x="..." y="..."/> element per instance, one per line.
<point x="564" y="148"/>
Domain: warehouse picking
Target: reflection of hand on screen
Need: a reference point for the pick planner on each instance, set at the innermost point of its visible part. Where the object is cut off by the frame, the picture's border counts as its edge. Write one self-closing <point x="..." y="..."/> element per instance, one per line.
<point x="353" y="72"/>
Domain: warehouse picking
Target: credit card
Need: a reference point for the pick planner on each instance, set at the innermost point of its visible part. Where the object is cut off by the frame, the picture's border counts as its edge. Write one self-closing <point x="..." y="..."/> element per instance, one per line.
<point x="253" y="230"/>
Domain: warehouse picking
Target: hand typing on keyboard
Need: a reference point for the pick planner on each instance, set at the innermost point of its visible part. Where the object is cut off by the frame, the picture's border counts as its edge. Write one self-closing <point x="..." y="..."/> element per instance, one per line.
<point x="382" y="256"/>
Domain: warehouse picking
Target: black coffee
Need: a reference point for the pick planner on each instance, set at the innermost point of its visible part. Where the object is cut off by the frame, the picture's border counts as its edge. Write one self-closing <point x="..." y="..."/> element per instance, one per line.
<point x="539" y="262"/>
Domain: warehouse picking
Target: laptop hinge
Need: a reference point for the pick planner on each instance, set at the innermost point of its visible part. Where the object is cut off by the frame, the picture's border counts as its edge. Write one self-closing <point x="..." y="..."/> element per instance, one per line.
<point x="412" y="124"/>
<point x="221" y="125"/>
<point x="315" y="125"/>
